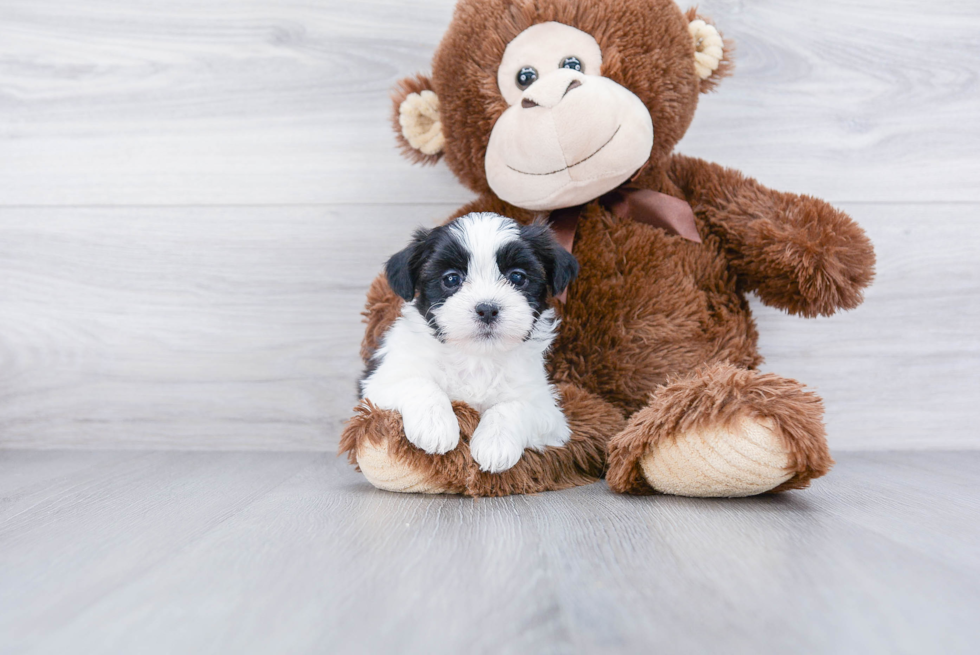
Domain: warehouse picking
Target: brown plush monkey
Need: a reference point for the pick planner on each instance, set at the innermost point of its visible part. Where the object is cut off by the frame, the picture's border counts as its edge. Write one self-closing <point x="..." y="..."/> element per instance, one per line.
<point x="571" y="110"/>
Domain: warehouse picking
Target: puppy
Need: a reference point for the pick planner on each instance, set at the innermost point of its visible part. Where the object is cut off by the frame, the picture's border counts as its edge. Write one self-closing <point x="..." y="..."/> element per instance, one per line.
<point x="475" y="328"/>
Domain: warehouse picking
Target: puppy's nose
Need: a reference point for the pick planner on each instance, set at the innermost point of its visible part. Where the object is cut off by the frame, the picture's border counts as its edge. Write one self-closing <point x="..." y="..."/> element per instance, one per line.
<point x="487" y="312"/>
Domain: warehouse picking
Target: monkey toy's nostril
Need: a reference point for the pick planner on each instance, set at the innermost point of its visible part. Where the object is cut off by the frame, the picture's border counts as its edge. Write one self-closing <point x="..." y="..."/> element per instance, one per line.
<point x="547" y="97"/>
<point x="487" y="312"/>
<point x="574" y="85"/>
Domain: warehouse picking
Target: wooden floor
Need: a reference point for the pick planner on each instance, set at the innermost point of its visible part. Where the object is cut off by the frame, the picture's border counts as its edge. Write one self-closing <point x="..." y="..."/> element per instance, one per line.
<point x="180" y="552"/>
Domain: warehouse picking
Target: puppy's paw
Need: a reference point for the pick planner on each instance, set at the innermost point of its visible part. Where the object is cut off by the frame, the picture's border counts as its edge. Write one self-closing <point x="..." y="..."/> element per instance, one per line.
<point x="555" y="431"/>
<point x="432" y="427"/>
<point x="493" y="449"/>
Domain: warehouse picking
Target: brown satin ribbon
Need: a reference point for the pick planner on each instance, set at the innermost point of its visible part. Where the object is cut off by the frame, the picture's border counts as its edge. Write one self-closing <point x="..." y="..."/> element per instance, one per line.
<point x="671" y="214"/>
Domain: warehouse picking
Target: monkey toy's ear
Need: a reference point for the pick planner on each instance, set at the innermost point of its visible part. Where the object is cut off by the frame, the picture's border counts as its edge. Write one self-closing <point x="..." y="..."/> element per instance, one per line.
<point x="416" y="120"/>
<point x="712" y="53"/>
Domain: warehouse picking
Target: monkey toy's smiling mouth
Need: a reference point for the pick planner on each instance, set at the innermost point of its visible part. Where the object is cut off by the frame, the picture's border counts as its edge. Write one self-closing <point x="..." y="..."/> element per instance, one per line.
<point x="581" y="161"/>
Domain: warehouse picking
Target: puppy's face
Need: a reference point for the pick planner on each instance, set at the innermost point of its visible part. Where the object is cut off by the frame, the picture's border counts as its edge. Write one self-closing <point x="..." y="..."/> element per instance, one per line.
<point x="482" y="281"/>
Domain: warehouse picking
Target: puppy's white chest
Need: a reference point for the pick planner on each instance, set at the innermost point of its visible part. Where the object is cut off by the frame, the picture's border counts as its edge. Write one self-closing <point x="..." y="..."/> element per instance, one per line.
<point x="479" y="382"/>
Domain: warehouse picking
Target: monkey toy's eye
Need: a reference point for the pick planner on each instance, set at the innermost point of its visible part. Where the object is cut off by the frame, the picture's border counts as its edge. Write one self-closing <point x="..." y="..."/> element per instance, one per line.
<point x="572" y="62"/>
<point x="518" y="278"/>
<point x="452" y="279"/>
<point x="526" y="77"/>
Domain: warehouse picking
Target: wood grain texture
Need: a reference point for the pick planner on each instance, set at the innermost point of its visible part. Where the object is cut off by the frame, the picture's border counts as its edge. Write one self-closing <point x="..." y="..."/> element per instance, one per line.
<point x="902" y="370"/>
<point x="181" y="295"/>
<point x="188" y="328"/>
<point x="295" y="552"/>
<point x="286" y="102"/>
<point x="238" y="327"/>
<point x="194" y="196"/>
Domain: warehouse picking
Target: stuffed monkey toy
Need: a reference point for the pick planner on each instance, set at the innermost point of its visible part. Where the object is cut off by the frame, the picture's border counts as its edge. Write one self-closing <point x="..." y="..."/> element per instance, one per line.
<point x="569" y="111"/>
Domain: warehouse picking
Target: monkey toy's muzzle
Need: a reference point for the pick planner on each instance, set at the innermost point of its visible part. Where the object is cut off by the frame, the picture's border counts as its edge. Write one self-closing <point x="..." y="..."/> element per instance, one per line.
<point x="570" y="139"/>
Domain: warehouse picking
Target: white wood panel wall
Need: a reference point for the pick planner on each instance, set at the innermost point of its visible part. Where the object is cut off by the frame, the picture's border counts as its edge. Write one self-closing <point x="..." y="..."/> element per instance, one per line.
<point x="194" y="196"/>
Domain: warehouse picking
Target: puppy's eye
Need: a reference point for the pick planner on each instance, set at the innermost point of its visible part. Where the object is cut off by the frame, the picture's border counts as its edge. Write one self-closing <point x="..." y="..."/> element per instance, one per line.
<point x="517" y="278"/>
<point x="452" y="280"/>
<point x="572" y="62"/>
<point x="526" y="77"/>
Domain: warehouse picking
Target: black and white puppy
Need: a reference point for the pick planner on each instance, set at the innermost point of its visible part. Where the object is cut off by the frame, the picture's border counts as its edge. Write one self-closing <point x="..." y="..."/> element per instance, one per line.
<point x="475" y="328"/>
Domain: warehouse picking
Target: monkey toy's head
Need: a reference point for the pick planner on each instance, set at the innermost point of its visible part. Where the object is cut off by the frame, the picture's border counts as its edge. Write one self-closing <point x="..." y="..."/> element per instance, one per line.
<point x="552" y="103"/>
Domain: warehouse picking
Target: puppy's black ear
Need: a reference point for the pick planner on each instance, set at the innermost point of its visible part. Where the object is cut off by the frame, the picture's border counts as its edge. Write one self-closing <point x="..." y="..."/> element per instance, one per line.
<point x="566" y="269"/>
<point x="560" y="266"/>
<point x="402" y="270"/>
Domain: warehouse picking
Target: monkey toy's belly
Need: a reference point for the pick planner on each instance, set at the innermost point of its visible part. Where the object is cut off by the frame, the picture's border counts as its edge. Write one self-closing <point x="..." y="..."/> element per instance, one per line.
<point x="647" y="306"/>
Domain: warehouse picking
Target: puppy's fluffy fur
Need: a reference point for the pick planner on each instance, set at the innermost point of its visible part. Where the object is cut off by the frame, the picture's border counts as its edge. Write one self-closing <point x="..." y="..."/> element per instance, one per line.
<point x="475" y="329"/>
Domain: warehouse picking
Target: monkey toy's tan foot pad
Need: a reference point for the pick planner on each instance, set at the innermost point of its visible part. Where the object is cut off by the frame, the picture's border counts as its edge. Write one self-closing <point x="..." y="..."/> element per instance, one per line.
<point x="722" y="431"/>
<point x="744" y="458"/>
<point x="374" y="440"/>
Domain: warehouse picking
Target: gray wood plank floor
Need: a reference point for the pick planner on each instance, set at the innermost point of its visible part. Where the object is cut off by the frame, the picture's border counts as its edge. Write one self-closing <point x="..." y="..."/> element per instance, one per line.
<point x="179" y="552"/>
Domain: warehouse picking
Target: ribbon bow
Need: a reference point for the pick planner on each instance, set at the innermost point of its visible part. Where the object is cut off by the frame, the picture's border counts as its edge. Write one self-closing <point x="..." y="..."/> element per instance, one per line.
<point x="671" y="214"/>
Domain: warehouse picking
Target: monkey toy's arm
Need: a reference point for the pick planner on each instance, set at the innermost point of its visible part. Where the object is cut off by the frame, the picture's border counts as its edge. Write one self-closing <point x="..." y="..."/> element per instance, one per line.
<point x="796" y="252"/>
<point x="381" y="308"/>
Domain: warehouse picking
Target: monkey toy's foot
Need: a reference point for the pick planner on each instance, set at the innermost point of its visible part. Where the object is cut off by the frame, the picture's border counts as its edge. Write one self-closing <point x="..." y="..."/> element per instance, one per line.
<point x="722" y="431"/>
<point x="375" y="441"/>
